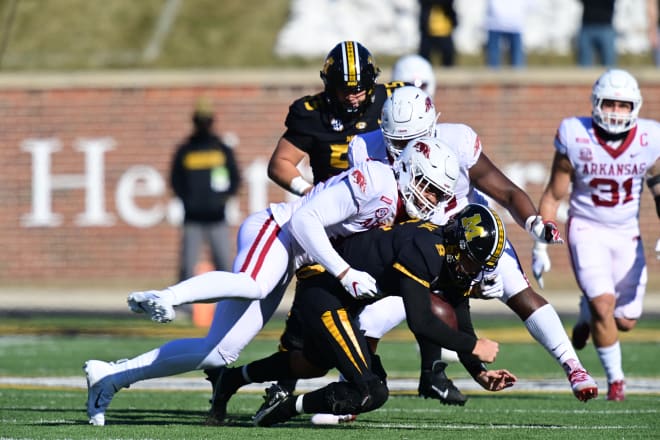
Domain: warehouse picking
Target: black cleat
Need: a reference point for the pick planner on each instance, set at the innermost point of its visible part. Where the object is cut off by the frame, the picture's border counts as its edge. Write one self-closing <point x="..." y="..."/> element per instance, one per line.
<point x="227" y="382"/>
<point x="276" y="407"/>
<point x="435" y="384"/>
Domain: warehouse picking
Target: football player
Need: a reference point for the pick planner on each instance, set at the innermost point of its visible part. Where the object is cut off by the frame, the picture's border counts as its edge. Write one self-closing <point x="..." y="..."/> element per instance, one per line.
<point x="272" y="244"/>
<point x="409" y="113"/>
<point x="410" y="260"/>
<point x="605" y="157"/>
<point x="321" y="126"/>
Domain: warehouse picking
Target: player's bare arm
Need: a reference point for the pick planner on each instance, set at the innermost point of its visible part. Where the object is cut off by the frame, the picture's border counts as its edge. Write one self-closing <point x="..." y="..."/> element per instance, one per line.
<point x="489" y="179"/>
<point x="557" y="188"/>
<point x="282" y="167"/>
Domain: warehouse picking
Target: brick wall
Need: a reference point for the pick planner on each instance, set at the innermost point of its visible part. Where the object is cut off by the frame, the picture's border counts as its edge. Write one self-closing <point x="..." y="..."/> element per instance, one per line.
<point x="138" y="118"/>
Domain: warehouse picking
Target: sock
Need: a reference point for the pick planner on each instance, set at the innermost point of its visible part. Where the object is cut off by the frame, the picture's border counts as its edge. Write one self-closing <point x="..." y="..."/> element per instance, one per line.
<point x="299" y="404"/>
<point x="274" y="367"/>
<point x="430" y="353"/>
<point x="175" y="357"/>
<point x="610" y="357"/>
<point x="213" y="286"/>
<point x="545" y="326"/>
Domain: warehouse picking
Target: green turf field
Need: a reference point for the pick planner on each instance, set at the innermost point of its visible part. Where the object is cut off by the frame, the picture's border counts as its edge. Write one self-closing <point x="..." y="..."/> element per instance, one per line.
<point x="55" y="348"/>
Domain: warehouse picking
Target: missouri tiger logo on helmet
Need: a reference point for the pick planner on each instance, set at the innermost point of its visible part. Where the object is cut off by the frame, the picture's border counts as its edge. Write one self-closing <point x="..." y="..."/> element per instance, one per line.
<point x="475" y="240"/>
<point x="349" y="68"/>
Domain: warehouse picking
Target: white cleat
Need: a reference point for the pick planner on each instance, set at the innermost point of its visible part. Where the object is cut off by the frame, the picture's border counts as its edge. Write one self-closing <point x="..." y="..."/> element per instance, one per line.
<point x="100" y="390"/>
<point x="153" y="303"/>
<point x="332" y="419"/>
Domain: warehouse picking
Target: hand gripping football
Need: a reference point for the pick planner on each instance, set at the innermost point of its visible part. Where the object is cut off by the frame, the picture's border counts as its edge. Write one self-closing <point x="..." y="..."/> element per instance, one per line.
<point x="443" y="311"/>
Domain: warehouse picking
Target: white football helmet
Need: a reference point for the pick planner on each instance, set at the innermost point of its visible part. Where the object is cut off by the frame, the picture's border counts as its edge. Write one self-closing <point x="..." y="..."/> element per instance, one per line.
<point x="426" y="165"/>
<point x="617" y="85"/>
<point x="416" y="70"/>
<point x="408" y="113"/>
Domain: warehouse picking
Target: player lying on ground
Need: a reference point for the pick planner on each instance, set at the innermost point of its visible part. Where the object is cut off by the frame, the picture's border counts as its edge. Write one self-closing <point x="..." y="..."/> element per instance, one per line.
<point x="413" y="260"/>
<point x="273" y="243"/>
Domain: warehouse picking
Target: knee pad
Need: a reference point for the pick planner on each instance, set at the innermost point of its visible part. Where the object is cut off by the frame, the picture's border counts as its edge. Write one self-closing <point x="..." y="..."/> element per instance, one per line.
<point x="347" y="398"/>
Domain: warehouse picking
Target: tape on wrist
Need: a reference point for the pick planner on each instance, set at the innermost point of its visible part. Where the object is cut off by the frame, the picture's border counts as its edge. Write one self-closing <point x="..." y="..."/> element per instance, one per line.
<point x="299" y="185"/>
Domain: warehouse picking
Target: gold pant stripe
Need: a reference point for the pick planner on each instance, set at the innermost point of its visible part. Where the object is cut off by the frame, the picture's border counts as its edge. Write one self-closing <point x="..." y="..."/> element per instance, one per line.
<point x="334" y="332"/>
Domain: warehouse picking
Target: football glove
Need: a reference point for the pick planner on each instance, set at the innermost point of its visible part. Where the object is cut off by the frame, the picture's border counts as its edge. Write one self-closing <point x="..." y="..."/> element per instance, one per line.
<point x="491" y="286"/>
<point x="359" y="284"/>
<point x="540" y="262"/>
<point x="543" y="232"/>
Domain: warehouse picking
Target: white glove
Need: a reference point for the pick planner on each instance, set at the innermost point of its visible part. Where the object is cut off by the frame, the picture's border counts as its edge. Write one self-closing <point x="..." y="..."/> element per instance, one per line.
<point x="491" y="286"/>
<point x="540" y="262"/>
<point x="543" y="232"/>
<point x="359" y="284"/>
<point x="657" y="249"/>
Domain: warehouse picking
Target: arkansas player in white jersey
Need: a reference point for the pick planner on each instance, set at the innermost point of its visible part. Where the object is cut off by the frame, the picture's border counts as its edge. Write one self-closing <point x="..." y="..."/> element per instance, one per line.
<point x="409" y="112"/>
<point x="272" y="244"/>
<point x="606" y="157"/>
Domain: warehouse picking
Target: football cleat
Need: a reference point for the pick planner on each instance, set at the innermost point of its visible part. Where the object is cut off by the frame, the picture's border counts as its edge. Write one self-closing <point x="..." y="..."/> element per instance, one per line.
<point x="332" y="419"/>
<point x="100" y="390"/>
<point x="580" y="335"/>
<point x="153" y="303"/>
<point x="435" y="384"/>
<point x="224" y="388"/>
<point x="616" y="391"/>
<point x="274" y="409"/>
<point x="583" y="385"/>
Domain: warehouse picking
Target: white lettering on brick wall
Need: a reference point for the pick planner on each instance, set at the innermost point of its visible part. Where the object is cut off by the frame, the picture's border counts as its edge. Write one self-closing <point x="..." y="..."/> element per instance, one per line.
<point x="44" y="182"/>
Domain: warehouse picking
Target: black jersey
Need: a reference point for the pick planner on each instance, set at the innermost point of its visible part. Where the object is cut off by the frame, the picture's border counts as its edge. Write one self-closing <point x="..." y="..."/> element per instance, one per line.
<point x="414" y="249"/>
<point x="408" y="260"/>
<point x="313" y="128"/>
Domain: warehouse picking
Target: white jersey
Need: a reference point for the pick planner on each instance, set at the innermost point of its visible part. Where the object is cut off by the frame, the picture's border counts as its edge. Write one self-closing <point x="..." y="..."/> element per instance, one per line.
<point x="607" y="178"/>
<point x="463" y="139"/>
<point x="330" y="210"/>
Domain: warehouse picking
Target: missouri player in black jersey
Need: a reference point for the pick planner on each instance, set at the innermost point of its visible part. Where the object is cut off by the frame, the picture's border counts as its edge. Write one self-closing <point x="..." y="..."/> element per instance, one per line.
<point x="411" y="260"/>
<point x="321" y="126"/>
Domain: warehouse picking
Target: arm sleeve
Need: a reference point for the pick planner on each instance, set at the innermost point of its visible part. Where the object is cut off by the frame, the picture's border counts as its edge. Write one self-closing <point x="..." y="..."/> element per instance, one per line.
<point x="357" y="151"/>
<point x="470" y="362"/>
<point x="308" y="224"/>
<point x="423" y="323"/>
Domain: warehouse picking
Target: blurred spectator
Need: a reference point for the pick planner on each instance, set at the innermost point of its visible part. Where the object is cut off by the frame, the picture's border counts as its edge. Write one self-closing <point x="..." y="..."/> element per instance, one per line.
<point x="437" y="21"/>
<point x="505" y="22"/>
<point x="652" y="8"/>
<point x="204" y="176"/>
<point x="597" y="34"/>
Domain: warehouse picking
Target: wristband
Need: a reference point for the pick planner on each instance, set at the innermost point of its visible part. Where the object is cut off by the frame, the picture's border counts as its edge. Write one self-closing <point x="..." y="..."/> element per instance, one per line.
<point x="299" y="185"/>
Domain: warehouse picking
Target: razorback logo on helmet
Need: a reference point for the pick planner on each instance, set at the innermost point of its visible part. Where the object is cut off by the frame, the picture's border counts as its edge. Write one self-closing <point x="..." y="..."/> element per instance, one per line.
<point x="428" y="103"/>
<point x="359" y="180"/>
<point x="423" y="148"/>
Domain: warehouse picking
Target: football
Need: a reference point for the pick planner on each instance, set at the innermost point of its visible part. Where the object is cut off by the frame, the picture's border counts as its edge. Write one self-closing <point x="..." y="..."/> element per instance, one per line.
<point x="444" y="311"/>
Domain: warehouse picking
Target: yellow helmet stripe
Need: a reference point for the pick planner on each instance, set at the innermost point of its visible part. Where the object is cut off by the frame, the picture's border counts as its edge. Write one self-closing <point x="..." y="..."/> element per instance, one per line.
<point x="501" y="238"/>
<point x="351" y="63"/>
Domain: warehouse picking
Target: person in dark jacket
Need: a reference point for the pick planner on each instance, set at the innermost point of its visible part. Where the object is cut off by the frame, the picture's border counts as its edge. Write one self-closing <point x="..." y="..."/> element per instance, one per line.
<point x="204" y="175"/>
<point x="437" y="22"/>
